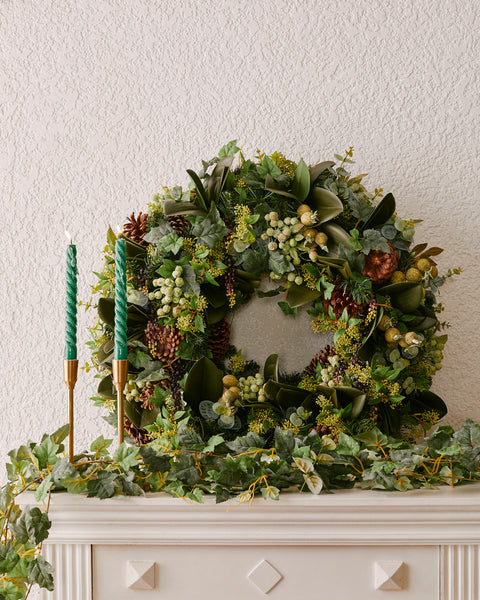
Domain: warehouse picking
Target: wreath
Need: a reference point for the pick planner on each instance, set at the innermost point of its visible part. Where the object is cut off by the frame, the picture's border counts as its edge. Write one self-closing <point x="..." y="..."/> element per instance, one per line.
<point x="322" y="241"/>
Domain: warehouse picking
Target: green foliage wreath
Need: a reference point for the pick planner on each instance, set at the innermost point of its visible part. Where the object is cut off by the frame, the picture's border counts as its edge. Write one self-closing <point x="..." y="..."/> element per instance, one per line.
<point x="325" y="242"/>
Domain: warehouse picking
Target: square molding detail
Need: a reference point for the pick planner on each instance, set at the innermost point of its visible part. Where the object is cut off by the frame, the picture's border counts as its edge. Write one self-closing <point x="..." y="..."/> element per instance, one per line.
<point x="264" y="576"/>
<point x="140" y="575"/>
<point x="390" y="575"/>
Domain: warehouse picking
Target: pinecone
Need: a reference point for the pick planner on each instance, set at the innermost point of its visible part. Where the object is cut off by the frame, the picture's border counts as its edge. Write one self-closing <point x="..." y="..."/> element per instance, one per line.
<point x="340" y="300"/>
<point x="219" y="340"/>
<point x="179" y="224"/>
<point x="141" y="436"/>
<point x="326" y="430"/>
<point x="320" y="359"/>
<point x="380" y="266"/>
<point x="162" y="341"/>
<point x="144" y="397"/>
<point x="136" y="228"/>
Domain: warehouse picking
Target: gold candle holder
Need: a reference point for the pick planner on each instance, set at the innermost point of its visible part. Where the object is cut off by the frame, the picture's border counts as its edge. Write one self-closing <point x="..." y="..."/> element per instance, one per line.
<point x="119" y="373"/>
<point x="70" y="371"/>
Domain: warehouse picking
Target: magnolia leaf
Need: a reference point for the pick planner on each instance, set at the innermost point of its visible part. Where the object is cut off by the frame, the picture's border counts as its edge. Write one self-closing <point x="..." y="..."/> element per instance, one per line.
<point x="139" y="416"/>
<point x="182" y="208"/>
<point x="427" y="400"/>
<point x="202" y="194"/>
<point x="381" y="214"/>
<point x="298" y="295"/>
<point x="409" y="300"/>
<point x="106" y="388"/>
<point x="134" y="250"/>
<point x="218" y="178"/>
<point x="106" y="311"/>
<point x="204" y="382"/>
<point x="325" y="204"/>
<point x="335" y="233"/>
<point x="301" y="183"/>
<point x="270" y="370"/>
<point x="318" y="169"/>
<point x="273" y="186"/>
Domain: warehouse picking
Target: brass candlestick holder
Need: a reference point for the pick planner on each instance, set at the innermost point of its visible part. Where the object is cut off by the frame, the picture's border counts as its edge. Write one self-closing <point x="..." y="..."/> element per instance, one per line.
<point x="70" y="371"/>
<point x="119" y="373"/>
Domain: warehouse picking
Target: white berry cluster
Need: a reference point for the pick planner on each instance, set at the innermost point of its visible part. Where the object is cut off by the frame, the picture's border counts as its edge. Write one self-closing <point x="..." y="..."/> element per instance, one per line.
<point x="170" y="295"/>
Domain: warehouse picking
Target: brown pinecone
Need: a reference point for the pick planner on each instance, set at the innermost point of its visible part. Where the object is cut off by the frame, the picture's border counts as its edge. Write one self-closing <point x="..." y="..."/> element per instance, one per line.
<point x="219" y="340"/>
<point x="136" y="228"/>
<point x="141" y="436"/>
<point x="320" y="359"/>
<point x="380" y="266"/>
<point x="162" y="341"/>
<point x="179" y="224"/>
<point x="326" y="430"/>
<point x="144" y="397"/>
<point x="340" y="300"/>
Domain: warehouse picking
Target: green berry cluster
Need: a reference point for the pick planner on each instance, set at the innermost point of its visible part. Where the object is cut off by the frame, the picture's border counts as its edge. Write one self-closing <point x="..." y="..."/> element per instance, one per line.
<point x="252" y="389"/>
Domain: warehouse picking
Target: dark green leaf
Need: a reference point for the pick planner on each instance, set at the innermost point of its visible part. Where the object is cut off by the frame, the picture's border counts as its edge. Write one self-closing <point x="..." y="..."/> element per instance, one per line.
<point x="298" y="295"/>
<point x="270" y="370"/>
<point x="204" y="382"/>
<point x="325" y="203"/>
<point x="381" y="213"/>
<point x="284" y="443"/>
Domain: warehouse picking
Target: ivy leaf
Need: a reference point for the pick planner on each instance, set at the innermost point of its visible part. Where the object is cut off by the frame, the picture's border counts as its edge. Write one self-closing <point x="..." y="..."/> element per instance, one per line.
<point x="278" y="263"/>
<point x="287" y="309"/>
<point x="170" y="243"/>
<point x="8" y="557"/>
<point x="229" y="149"/>
<point x="32" y="525"/>
<point x="63" y="470"/>
<point x="190" y="284"/>
<point x="156" y="234"/>
<point x="211" y="229"/>
<point x="185" y="470"/>
<point x="11" y="592"/>
<point x="284" y="443"/>
<point x="270" y="493"/>
<point x="190" y="439"/>
<point x="46" y="452"/>
<point x="255" y="261"/>
<point x="126" y="456"/>
<point x="100" y="446"/>
<point x="347" y="446"/>
<point x="212" y="443"/>
<point x="153" y="371"/>
<point x="268" y="166"/>
<point x="102" y="487"/>
<point x="42" y="491"/>
<point x="62" y="432"/>
<point x="154" y="461"/>
<point x="469" y="434"/>
<point x="374" y="240"/>
<point x="40" y="572"/>
<point x="139" y="359"/>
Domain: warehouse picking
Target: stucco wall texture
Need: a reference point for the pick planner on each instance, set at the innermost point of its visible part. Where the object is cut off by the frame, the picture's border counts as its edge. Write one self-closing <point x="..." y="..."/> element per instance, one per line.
<point x="103" y="101"/>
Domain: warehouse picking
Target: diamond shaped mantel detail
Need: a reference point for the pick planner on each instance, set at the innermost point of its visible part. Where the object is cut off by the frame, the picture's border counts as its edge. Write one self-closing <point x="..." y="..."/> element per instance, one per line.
<point x="390" y="575"/>
<point x="264" y="576"/>
<point x="140" y="575"/>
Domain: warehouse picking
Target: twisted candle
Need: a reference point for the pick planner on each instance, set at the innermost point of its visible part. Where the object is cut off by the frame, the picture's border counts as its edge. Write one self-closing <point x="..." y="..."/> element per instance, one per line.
<point x="120" y="301"/>
<point x="71" y="303"/>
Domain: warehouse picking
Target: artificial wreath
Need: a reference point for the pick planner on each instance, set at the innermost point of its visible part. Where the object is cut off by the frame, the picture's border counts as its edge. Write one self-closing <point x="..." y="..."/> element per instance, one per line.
<point x="323" y="241"/>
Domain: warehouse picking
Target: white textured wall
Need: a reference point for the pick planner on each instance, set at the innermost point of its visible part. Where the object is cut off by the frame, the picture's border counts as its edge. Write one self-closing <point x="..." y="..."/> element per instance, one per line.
<point x="103" y="101"/>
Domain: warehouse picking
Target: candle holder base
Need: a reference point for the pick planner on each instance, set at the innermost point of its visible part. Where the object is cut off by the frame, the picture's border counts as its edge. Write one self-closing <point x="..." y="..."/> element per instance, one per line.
<point x="120" y="374"/>
<point x="70" y="372"/>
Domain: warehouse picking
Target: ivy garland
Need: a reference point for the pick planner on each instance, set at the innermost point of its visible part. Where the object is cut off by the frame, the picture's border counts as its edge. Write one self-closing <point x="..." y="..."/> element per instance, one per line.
<point x="325" y="242"/>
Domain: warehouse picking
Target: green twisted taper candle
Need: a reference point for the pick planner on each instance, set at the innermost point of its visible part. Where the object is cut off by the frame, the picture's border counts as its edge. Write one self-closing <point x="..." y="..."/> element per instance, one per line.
<point x="70" y="352"/>
<point x="120" y="301"/>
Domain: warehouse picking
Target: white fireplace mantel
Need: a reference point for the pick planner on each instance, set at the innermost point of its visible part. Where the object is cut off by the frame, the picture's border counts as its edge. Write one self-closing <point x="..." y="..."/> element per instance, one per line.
<point x="422" y="545"/>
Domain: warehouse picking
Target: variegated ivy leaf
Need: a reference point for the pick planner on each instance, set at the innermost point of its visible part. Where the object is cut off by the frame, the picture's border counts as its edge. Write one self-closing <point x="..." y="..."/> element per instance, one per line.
<point x="303" y="464"/>
<point x="314" y="482"/>
<point x="270" y="492"/>
<point x="245" y="497"/>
